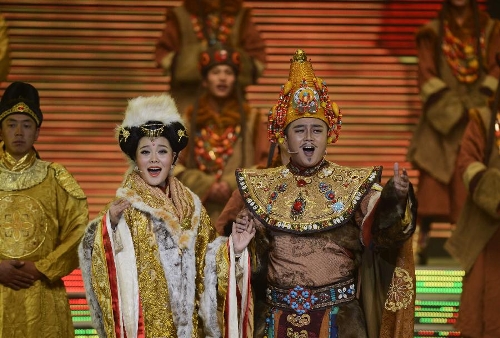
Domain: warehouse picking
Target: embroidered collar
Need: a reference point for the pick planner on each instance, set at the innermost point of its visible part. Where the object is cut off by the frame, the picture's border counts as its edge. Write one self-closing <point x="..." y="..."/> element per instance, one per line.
<point x="305" y="204"/>
<point x="10" y="163"/>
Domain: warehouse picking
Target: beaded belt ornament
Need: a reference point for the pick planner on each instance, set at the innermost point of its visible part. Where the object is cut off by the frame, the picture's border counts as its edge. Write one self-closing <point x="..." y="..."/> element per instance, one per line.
<point x="302" y="300"/>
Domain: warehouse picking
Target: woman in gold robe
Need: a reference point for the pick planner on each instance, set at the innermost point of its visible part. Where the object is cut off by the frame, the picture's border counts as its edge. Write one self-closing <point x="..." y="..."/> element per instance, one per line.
<point x="152" y="263"/>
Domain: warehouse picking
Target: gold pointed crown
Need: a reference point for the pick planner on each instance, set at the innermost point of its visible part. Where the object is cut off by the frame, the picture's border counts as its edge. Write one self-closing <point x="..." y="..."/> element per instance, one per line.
<point x="303" y="95"/>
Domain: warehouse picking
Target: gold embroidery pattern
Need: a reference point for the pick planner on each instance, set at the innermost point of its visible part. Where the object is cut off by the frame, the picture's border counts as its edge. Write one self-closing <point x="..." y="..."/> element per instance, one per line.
<point x="269" y="193"/>
<point x="67" y="181"/>
<point x="23" y="225"/>
<point x="153" y="290"/>
<point x="291" y="334"/>
<point x="21" y="108"/>
<point x="177" y="213"/>
<point x="222" y="262"/>
<point x="100" y="282"/>
<point x="14" y="180"/>
<point x="299" y="320"/>
<point x="400" y="292"/>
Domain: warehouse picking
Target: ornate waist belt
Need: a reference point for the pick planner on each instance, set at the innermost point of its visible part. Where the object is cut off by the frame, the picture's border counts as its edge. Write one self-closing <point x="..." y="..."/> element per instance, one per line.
<point x="302" y="299"/>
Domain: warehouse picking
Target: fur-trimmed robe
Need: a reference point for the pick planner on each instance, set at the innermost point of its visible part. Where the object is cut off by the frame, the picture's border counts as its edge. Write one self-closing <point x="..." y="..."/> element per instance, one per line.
<point x="156" y="274"/>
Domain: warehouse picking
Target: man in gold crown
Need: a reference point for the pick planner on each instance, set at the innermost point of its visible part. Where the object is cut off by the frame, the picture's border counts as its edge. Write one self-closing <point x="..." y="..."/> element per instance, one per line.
<point x="329" y="239"/>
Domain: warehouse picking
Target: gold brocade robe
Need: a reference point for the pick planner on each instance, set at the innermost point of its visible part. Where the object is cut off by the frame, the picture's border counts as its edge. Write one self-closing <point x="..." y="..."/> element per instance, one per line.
<point x="148" y="276"/>
<point x="43" y="213"/>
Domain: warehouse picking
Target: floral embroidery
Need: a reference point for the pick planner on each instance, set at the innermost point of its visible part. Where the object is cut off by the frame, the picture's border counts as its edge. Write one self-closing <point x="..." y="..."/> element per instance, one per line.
<point x="300" y="299"/>
<point x="400" y="292"/>
<point x="345" y="292"/>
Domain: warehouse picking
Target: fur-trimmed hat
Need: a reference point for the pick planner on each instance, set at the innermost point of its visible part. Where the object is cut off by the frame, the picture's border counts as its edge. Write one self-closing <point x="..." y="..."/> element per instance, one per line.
<point x="152" y="116"/>
<point x="21" y="98"/>
<point x="303" y="95"/>
<point x="218" y="55"/>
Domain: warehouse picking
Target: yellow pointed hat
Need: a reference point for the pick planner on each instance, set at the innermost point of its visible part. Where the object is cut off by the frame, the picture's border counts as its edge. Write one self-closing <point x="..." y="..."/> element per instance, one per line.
<point x="303" y="95"/>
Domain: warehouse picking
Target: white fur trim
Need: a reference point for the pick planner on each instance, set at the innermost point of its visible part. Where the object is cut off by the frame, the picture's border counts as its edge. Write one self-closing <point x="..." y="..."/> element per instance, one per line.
<point x="85" y="257"/>
<point x="151" y="108"/>
<point x="234" y="325"/>
<point x="208" y="300"/>
<point x="127" y="279"/>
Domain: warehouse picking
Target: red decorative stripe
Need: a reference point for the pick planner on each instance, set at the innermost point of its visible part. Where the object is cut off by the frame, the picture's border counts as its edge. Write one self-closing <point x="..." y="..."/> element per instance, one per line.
<point x="110" y="262"/>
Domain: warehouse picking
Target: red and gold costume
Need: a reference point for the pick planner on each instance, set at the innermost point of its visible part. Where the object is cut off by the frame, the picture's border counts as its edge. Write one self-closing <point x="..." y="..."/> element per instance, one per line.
<point x="225" y="134"/>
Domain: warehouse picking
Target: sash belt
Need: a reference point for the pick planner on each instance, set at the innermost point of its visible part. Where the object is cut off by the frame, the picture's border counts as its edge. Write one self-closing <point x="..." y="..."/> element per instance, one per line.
<point x="302" y="299"/>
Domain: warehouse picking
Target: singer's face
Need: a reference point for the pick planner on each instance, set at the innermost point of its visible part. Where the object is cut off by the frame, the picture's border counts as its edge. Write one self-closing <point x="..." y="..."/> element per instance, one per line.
<point x="306" y="141"/>
<point x="154" y="158"/>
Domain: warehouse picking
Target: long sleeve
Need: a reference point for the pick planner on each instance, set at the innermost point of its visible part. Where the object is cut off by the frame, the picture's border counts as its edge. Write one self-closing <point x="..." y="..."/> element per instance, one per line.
<point x="482" y="182"/>
<point x="72" y="217"/>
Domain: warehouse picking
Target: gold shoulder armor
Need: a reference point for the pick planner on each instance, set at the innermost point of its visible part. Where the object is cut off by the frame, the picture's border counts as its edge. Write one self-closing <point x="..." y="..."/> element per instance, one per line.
<point x="67" y="181"/>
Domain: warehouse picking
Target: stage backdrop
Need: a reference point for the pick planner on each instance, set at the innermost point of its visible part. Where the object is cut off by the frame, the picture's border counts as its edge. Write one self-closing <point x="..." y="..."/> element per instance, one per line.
<point x="88" y="57"/>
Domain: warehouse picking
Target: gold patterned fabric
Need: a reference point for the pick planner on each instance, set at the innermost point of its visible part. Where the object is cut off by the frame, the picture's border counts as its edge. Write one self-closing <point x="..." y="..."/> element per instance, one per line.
<point x="159" y="245"/>
<point x="42" y="222"/>
<point x="320" y="198"/>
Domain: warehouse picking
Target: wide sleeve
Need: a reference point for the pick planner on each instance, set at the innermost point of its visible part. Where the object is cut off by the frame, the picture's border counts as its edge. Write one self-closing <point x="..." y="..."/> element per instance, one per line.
<point x="72" y="217"/>
<point x="387" y="269"/>
<point x="226" y="305"/>
<point x="383" y="225"/>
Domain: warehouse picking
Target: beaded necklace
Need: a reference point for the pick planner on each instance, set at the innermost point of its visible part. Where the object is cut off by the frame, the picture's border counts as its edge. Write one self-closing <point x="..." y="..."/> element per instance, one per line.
<point x="213" y="150"/>
<point x="218" y="28"/>
<point x="461" y="55"/>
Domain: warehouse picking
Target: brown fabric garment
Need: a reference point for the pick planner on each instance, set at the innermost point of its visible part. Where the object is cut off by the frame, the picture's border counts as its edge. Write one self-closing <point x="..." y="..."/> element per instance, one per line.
<point x="475" y="242"/>
<point x="436" y="199"/>
<point x="229" y="213"/>
<point x="325" y="257"/>
<point x="300" y="260"/>
<point x="480" y="300"/>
